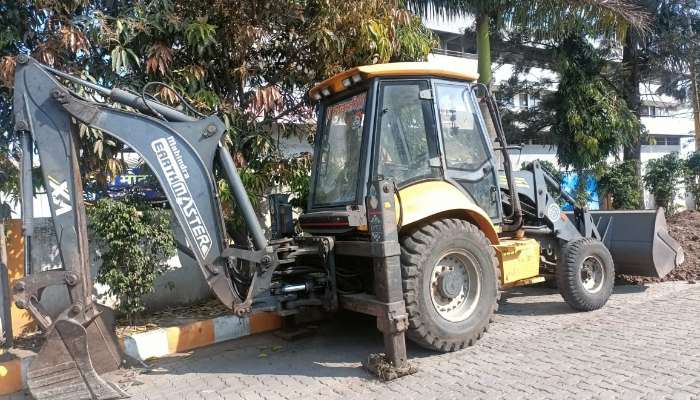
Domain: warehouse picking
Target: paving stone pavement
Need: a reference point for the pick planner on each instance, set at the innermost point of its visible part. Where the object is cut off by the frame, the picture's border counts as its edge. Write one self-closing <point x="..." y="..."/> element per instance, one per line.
<point x="644" y="344"/>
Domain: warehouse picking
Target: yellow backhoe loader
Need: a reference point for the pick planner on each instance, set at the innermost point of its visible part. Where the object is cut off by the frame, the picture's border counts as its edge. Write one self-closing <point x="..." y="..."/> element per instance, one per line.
<point x="411" y="217"/>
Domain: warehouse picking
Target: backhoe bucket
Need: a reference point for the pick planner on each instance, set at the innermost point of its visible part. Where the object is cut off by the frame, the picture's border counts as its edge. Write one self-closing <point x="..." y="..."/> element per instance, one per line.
<point x="69" y="363"/>
<point x="639" y="242"/>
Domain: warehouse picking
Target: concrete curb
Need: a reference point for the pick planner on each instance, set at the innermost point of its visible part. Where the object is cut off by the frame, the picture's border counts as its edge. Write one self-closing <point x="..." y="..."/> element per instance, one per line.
<point x="164" y="341"/>
<point x="160" y="342"/>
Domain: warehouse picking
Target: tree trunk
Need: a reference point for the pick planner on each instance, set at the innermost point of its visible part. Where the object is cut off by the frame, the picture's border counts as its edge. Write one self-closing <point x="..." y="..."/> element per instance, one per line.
<point x="694" y="85"/>
<point x="630" y="86"/>
<point x="630" y="91"/>
<point x="696" y="96"/>
<point x="483" y="48"/>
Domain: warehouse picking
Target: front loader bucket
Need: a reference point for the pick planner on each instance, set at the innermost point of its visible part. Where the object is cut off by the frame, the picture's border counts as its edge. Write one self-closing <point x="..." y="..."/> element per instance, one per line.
<point x="70" y="361"/>
<point x="639" y="242"/>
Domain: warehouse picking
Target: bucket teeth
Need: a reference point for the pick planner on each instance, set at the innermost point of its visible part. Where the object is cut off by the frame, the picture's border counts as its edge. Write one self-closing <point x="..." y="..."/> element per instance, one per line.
<point x="60" y="381"/>
<point x="64" y="369"/>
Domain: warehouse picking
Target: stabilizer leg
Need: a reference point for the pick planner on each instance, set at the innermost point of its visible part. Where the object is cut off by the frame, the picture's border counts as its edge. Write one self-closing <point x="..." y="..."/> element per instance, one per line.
<point x="392" y="320"/>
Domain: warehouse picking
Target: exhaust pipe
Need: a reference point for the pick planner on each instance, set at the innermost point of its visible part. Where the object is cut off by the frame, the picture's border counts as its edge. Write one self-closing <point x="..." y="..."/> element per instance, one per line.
<point x="639" y="242"/>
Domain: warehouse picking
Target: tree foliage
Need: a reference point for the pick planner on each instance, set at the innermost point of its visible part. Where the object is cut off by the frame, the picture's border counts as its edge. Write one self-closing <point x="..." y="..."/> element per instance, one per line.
<point x="533" y="124"/>
<point x="585" y="116"/>
<point x="537" y="21"/>
<point x="135" y="242"/>
<point x="692" y="179"/>
<point x="592" y="120"/>
<point x="664" y="177"/>
<point x="620" y="181"/>
<point x="250" y="62"/>
<point x="667" y="51"/>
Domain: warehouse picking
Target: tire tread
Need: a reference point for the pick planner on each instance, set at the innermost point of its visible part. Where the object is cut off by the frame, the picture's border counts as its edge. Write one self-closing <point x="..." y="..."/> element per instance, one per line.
<point x="415" y="250"/>
<point x="567" y="276"/>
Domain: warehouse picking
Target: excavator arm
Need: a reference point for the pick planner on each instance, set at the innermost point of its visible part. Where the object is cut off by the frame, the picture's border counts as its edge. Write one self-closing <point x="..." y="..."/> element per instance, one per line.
<point x="182" y="152"/>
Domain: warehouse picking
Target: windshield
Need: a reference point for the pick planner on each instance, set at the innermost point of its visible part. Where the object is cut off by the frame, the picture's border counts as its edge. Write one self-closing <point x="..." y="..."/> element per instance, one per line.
<point x="339" y="154"/>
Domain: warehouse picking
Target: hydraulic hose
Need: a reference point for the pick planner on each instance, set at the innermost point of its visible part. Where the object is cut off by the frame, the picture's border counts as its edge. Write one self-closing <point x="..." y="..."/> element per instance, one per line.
<point x="516" y="214"/>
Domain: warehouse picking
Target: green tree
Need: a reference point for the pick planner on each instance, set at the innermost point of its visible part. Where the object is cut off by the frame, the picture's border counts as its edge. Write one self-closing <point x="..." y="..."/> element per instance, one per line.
<point x="620" y="181"/>
<point x="692" y="179"/>
<point x="662" y="55"/>
<point x="135" y="242"/>
<point x="250" y="62"/>
<point x="586" y="117"/>
<point x="663" y="178"/>
<point x="671" y="55"/>
<point x="539" y="20"/>
<point x="529" y="125"/>
<point x="592" y="120"/>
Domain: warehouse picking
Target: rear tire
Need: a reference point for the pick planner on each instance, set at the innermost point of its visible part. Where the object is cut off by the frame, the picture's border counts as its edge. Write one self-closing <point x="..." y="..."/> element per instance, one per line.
<point x="585" y="274"/>
<point x="450" y="280"/>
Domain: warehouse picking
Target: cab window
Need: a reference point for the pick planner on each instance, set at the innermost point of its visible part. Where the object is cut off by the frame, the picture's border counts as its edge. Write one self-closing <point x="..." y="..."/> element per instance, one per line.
<point x="340" y="151"/>
<point x="464" y="143"/>
<point x="405" y="146"/>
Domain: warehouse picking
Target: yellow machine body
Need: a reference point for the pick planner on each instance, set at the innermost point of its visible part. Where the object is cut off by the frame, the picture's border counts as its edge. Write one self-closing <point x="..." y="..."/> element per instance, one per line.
<point x="343" y="80"/>
<point x="519" y="260"/>
<point x="428" y="199"/>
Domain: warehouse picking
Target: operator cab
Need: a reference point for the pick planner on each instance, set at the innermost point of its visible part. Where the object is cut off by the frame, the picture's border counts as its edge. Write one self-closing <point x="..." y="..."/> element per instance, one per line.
<point x="408" y="122"/>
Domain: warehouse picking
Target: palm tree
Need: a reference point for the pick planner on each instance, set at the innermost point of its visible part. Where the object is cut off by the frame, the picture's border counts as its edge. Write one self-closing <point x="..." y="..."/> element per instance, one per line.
<point x="540" y="18"/>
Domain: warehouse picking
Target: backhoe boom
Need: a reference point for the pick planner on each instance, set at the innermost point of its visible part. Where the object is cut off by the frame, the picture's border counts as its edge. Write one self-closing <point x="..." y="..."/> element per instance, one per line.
<point x="181" y="151"/>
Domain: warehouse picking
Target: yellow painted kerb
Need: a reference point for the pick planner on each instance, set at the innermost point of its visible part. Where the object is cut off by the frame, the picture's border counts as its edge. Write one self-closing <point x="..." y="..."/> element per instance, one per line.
<point x="190" y="336"/>
<point x="426" y="199"/>
<point x="440" y="70"/>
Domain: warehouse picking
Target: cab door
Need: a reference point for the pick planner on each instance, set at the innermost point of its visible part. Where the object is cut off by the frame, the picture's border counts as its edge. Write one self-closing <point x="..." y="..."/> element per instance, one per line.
<point x="468" y="157"/>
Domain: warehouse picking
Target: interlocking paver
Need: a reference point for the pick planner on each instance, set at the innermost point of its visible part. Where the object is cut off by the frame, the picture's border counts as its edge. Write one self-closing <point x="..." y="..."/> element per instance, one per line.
<point x="643" y="344"/>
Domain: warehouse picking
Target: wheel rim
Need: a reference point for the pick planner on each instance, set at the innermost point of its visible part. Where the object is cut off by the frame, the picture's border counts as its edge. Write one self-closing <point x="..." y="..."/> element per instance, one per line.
<point x="592" y="274"/>
<point x="455" y="285"/>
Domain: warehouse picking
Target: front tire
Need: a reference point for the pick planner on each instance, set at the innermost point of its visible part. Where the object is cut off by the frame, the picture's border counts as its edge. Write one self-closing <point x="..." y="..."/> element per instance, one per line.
<point x="450" y="279"/>
<point x="585" y="274"/>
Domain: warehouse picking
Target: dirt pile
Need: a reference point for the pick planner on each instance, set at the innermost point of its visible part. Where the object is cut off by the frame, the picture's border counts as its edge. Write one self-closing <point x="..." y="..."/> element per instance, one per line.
<point x="685" y="228"/>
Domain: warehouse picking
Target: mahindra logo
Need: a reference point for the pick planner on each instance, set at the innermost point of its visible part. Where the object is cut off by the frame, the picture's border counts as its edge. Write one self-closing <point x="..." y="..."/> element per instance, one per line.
<point x="176" y="175"/>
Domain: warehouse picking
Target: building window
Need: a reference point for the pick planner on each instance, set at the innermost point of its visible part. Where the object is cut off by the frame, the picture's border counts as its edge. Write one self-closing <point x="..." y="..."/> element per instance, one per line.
<point x="653" y="111"/>
<point x="524" y="103"/>
<point x="662" y="140"/>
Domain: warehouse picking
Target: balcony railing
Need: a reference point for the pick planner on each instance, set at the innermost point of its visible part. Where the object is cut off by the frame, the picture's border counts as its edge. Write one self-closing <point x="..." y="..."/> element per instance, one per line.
<point x="453" y="53"/>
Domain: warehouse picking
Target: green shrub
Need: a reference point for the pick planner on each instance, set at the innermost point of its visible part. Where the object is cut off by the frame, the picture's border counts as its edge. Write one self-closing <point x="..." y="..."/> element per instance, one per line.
<point x="663" y="177"/>
<point x="135" y="241"/>
<point x="621" y="182"/>
<point x="692" y="179"/>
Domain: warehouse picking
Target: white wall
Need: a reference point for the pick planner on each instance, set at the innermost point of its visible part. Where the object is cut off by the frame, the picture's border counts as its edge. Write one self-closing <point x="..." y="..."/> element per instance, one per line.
<point x="548" y="153"/>
<point x="182" y="283"/>
<point x="41" y="206"/>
